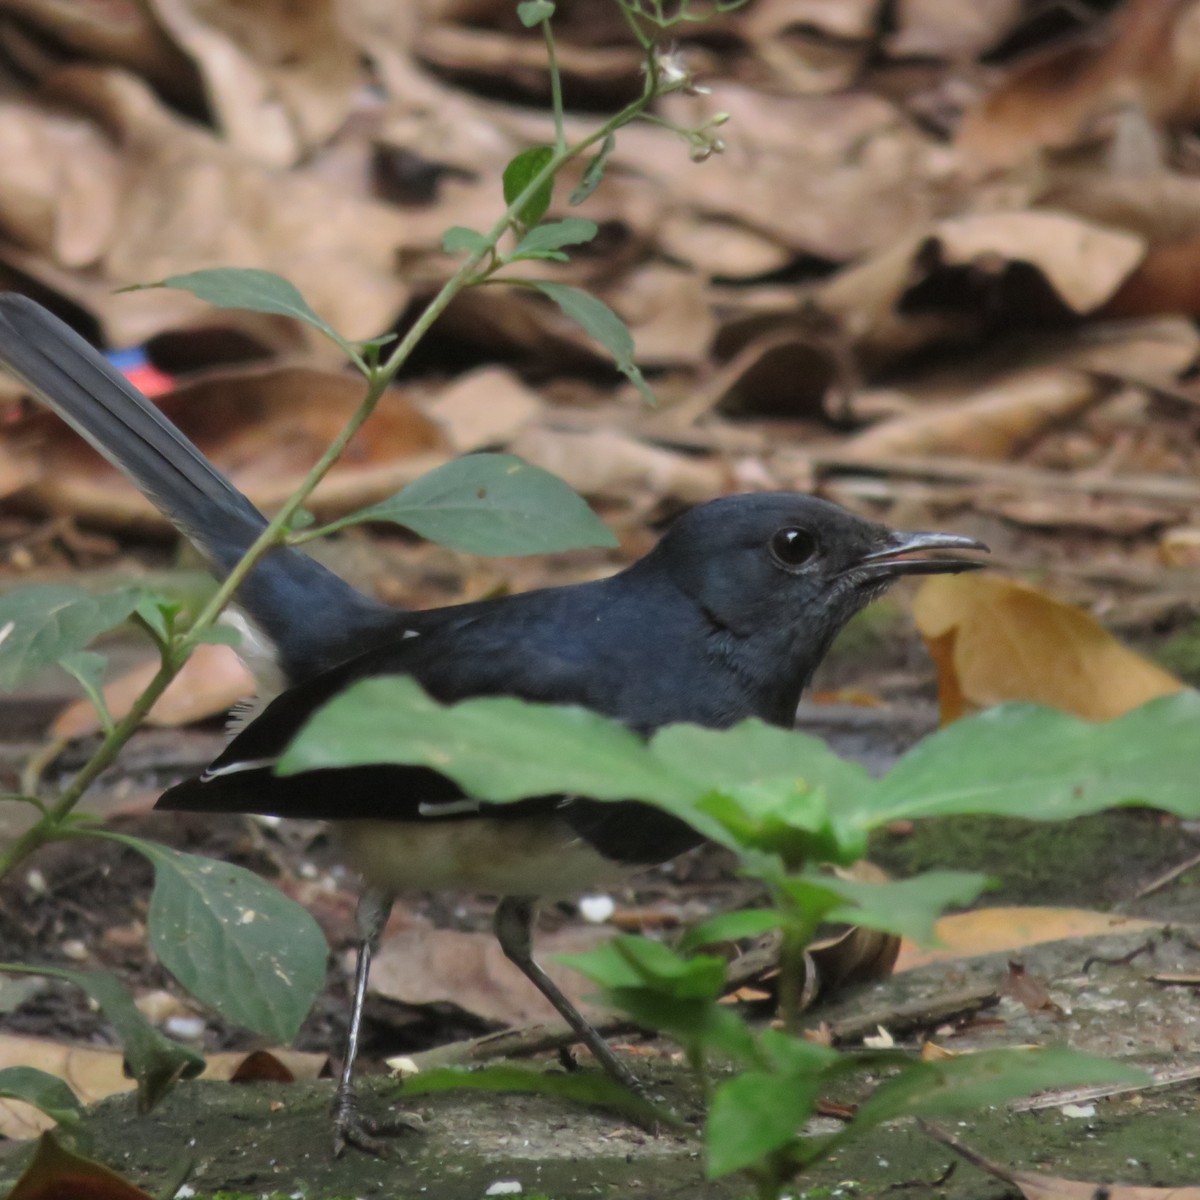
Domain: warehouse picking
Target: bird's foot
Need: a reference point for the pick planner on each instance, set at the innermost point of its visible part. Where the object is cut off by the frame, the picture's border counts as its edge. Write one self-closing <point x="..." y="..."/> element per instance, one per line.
<point x="351" y="1128"/>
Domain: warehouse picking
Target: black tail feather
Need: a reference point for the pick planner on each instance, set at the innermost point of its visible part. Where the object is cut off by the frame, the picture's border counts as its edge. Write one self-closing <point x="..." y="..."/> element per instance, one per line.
<point x="308" y="613"/>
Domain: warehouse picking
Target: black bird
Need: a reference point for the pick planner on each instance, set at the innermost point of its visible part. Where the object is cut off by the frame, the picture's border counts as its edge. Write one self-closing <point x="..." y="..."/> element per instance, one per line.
<point x="726" y="618"/>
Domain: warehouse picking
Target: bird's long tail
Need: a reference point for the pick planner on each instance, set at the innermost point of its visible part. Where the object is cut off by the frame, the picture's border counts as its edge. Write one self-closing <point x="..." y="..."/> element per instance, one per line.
<point x="308" y="613"/>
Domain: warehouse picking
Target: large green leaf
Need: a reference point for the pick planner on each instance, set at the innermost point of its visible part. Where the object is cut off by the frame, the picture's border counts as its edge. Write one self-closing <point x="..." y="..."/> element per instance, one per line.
<point x="40" y="625"/>
<point x="754" y="1114"/>
<point x="491" y="504"/>
<point x="44" y="1091"/>
<point x="234" y="941"/>
<point x="1023" y="760"/>
<point x="155" y="1061"/>
<point x="773" y="789"/>
<point x="907" y="907"/>
<point x="253" y="289"/>
<point x="974" y="1081"/>
<point x="496" y="748"/>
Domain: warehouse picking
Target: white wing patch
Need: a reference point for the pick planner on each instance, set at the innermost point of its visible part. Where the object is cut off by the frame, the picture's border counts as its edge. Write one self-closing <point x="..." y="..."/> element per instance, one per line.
<point x="447" y="808"/>
<point x="235" y="768"/>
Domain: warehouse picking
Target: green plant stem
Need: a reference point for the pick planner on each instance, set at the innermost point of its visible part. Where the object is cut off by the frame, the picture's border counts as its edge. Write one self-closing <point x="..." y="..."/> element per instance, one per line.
<point x="792" y="971"/>
<point x="50" y="825"/>
<point x="556" y="97"/>
<point x="379" y="377"/>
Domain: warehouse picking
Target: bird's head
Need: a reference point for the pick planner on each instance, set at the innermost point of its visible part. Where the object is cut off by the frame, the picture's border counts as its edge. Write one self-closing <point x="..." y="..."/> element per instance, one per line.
<point x="782" y="573"/>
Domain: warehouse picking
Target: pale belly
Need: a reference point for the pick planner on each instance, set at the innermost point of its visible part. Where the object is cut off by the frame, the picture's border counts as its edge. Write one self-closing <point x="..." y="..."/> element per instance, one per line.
<point x="477" y="854"/>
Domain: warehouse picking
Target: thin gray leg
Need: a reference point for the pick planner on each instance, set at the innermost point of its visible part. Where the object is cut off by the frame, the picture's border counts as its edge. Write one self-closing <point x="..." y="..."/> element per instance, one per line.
<point x="350" y="1128"/>
<point x="514" y="931"/>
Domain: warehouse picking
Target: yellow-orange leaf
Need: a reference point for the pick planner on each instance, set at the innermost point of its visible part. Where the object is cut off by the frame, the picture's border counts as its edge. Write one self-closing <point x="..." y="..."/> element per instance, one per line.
<point x="995" y="640"/>
<point x="1010" y="928"/>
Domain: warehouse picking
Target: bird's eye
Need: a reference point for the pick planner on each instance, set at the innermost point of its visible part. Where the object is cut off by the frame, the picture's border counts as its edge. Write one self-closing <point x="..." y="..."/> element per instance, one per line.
<point x="793" y="547"/>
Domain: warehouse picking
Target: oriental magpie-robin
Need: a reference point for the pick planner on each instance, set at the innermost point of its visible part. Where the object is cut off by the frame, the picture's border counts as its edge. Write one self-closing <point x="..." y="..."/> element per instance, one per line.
<point x="725" y="619"/>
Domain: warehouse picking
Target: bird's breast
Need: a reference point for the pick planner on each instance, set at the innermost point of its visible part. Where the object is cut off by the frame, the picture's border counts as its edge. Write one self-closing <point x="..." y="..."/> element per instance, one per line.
<point x="538" y="856"/>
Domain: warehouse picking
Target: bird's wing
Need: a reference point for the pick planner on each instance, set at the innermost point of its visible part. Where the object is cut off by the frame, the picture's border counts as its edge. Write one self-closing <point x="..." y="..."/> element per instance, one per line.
<point x="455" y="653"/>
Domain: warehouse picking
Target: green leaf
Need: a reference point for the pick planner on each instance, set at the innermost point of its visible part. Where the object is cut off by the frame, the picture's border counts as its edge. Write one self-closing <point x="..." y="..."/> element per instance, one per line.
<point x="44" y="1091"/>
<point x="634" y="962"/>
<point x="774" y="789"/>
<point x="730" y="927"/>
<point x="582" y="1087"/>
<point x="459" y="238"/>
<point x="234" y="941"/>
<point x="974" y="1081"/>
<point x="754" y="1114"/>
<point x="702" y="1027"/>
<point x="1023" y="760"/>
<point x="250" y="288"/>
<point x="600" y="322"/>
<point x="491" y="504"/>
<point x="496" y="749"/>
<point x="907" y="907"/>
<point x="154" y="1060"/>
<point x="546" y="240"/>
<point x="159" y="614"/>
<point x="534" y="12"/>
<point x="40" y="625"/>
<point x="519" y="174"/>
<point x="593" y="173"/>
<point x="87" y="668"/>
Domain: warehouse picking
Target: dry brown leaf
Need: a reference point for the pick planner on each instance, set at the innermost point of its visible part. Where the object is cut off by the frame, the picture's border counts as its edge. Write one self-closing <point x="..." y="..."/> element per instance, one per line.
<point x="994" y="424"/>
<point x="17" y="470"/>
<point x="1035" y="1186"/>
<point x="848" y="19"/>
<point x="1167" y="281"/>
<point x="56" y="1173"/>
<point x="668" y="314"/>
<point x="96" y="1074"/>
<point x="995" y="639"/>
<point x="1162" y="206"/>
<point x="1091" y="513"/>
<point x="859" y="955"/>
<point x="124" y="35"/>
<point x="278" y="1064"/>
<point x="211" y="682"/>
<point x="1008" y="928"/>
<point x="1058" y="96"/>
<point x="608" y="463"/>
<point x="1028" y="990"/>
<point x="484" y="54"/>
<point x="859" y="179"/>
<point x="91" y="1074"/>
<point x="279" y="77"/>
<point x="1180" y="547"/>
<point x="187" y="201"/>
<point x="264" y="427"/>
<point x="948" y="28"/>
<point x="424" y="965"/>
<point x="61" y="190"/>
<point x="488" y="407"/>
<point x="720" y="248"/>
<point x="1081" y="263"/>
<point x="794" y="374"/>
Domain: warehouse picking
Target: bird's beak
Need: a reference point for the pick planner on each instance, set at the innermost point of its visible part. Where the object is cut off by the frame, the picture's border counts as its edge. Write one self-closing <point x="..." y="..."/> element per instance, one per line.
<point x="888" y="562"/>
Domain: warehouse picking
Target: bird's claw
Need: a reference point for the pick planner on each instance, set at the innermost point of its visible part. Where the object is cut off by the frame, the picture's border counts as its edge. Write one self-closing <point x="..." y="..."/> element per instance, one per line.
<point x="351" y="1128"/>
